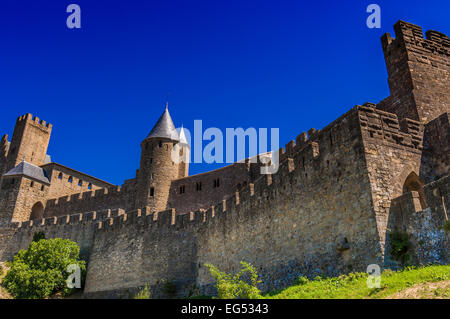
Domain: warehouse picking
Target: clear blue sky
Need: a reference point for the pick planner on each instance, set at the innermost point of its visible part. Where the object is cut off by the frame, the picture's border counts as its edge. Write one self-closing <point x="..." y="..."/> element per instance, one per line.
<point x="235" y="63"/>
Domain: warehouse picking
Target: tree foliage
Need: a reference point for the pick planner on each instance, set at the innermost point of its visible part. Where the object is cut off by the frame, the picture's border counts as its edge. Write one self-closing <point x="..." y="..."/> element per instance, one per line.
<point x="40" y="270"/>
<point x="400" y="247"/>
<point x="232" y="287"/>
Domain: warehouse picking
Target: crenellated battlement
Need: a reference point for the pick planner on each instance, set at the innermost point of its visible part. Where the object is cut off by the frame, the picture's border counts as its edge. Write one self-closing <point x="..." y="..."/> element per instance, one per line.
<point x="385" y="126"/>
<point x="73" y="219"/>
<point x="419" y="72"/>
<point x="412" y="36"/>
<point x="104" y="198"/>
<point x="35" y="120"/>
<point x="253" y="195"/>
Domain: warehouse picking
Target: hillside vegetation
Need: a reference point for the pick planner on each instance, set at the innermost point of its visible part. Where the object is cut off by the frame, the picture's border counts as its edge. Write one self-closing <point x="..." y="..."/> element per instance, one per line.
<point x="420" y="282"/>
<point x="3" y="270"/>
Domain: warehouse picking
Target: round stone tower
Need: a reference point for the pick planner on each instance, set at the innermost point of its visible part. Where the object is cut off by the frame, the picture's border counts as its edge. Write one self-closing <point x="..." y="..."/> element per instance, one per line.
<point x="157" y="168"/>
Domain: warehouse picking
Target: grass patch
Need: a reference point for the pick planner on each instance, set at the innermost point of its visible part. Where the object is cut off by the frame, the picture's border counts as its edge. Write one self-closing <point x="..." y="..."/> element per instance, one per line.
<point x="354" y="286"/>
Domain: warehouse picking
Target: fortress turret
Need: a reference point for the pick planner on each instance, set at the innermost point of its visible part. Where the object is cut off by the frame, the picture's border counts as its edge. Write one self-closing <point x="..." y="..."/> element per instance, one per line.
<point x="157" y="168"/>
<point x="419" y="72"/>
<point x="29" y="142"/>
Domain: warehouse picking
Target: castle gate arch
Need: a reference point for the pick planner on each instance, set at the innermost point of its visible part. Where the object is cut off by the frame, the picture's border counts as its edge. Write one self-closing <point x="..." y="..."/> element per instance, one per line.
<point x="37" y="211"/>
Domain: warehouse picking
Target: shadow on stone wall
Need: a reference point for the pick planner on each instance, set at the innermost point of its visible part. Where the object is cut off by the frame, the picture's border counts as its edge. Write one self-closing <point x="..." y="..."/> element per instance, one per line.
<point x="429" y="242"/>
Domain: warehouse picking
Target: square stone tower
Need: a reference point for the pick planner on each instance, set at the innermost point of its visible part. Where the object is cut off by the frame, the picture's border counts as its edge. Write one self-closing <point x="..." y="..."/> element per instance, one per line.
<point x="29" y="142"/>
<point x="419" y="73"/>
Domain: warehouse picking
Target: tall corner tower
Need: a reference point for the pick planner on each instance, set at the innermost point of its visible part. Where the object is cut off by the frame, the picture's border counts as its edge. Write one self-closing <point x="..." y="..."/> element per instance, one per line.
<point x="157" y="167"/>
<point x="419" y="72"/>
<point x="29" y="141"/>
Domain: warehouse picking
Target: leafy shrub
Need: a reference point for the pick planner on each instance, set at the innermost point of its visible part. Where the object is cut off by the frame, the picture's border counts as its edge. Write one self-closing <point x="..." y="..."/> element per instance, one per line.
<point x="400" y="247"/>
<point x="232" y="287"/>
<point x="144" y="293"/>
<point x="40" y="270"/>
<point x="301" y="280"/>
<point x="446" y="226"/>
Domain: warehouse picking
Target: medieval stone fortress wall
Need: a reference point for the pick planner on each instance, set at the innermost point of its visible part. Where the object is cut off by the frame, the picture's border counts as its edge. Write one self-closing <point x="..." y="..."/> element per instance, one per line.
<point x="328" y="210"/>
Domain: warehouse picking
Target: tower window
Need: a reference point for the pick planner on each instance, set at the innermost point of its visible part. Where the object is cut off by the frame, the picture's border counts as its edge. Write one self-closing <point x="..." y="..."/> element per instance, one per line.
<point x="42" y="188"/>
<point x="198" y="186"/>
<point x="216" y="183"/>
<point x="152" y="191"/>
<point x="60" y="176"/>
<point x="32" y="184"/>
<point x="70" y="180"/>
<point x="90" y="186"/>
<point x="151" y="160"/>
<point x="80" y="183"/>
<point x="160" y="144"/>
<point x="182" y="189"/>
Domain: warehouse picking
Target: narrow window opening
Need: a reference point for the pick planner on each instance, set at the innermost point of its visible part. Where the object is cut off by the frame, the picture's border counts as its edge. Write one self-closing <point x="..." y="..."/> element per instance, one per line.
<point x="152" y="191"/>
<point x="60" y="176"/>
<point x="80" y="183"/>
<point x="90" y="186"/>
<point x="70" y="180"/>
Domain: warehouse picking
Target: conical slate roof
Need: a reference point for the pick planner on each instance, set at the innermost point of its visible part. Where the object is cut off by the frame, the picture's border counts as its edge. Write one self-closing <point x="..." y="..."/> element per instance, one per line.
<point x="164" y="128"/>
<point x="29" y="170"/>
<point x="183" y="139"/>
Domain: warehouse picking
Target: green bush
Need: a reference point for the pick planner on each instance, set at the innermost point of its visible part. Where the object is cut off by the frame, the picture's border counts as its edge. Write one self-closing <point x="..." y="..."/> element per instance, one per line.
<point x="144" y="293"/>
<point x="446" y="226"/>
<point x="400" y="247"/>
<point x="40" y="270"/>
<point x="232" y="287"/>
<point x="301" y="281"/>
